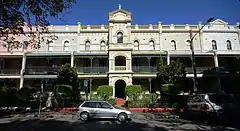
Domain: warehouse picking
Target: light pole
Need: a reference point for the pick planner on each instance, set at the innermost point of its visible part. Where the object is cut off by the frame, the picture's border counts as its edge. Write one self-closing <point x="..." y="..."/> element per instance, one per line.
<point x="193" y="54"/>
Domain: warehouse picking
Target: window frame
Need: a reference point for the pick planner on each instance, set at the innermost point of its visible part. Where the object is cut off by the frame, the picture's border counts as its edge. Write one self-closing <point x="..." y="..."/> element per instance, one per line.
<point x="229" y="44"/>
<point x="174" y="44"/>
<point x="87" y="45"/>
<point x="214" y="45"/>
<point x="66" y="46"/>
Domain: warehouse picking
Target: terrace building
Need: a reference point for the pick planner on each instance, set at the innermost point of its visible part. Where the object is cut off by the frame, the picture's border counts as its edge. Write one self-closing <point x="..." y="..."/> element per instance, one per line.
<point x="120" y="53"/>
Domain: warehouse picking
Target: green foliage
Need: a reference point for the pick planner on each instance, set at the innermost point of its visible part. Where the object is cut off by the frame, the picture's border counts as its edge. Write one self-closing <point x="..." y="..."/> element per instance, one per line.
<point x="105" y="91"/>
<point x="172" y="73"/>
<point x="64" y="96"/>
<point x="33" y="15"/>
<point x="170" y="89"/>
<point x="133" y="91"/>
<point x="68" y="75"/>
<point x="147" y="101"/>
<point x="112" y="101"/>
<point x="26" y="93"/>
<point x="7" y="96"/>
<point x="94" y="96"/>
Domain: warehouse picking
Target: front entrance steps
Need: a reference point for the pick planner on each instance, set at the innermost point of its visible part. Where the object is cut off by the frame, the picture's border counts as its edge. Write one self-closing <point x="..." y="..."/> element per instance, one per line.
<point x="120" y="102"/>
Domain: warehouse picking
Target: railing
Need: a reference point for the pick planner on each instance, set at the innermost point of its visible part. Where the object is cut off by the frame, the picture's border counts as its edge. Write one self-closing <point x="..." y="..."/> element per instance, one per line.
<point x="199" y="70"/>
<point x="144" y="69"/>
<point x="92" y="70"/>
<point x="120" y="68"/>
<point x="42" y="70"/>
<point x="153" y="69"/>
<point x="10" y="71"/>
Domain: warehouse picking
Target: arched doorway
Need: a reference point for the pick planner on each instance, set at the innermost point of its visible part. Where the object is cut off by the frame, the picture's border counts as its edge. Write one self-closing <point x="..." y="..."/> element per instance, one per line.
<point x="120" y="89"/>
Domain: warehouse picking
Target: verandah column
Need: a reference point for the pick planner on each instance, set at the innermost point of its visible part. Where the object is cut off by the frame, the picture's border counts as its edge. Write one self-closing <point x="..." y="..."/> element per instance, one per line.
<point x="150" y="84"/>
<point x="215" y="59"/>
<point x="22" y="70"/>
<point x="168" y="58"/>
<point x="72" y="59"/>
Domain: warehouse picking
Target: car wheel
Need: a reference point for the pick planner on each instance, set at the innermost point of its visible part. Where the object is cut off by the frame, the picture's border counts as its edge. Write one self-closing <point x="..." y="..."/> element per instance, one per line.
<point x="84" y="116"/>
<point x="122" y="117"/>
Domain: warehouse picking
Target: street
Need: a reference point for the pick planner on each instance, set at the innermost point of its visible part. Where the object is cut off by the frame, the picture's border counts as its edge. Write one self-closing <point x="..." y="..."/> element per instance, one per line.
<point x="56" y="121"/>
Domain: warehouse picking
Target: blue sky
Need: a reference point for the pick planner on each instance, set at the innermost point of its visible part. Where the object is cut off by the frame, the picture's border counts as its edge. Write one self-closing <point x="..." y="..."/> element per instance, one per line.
<point x="152" y="11"/>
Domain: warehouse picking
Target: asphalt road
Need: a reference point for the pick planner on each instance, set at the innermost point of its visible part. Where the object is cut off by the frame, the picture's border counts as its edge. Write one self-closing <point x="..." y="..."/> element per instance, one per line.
<point x="69" y="122"/>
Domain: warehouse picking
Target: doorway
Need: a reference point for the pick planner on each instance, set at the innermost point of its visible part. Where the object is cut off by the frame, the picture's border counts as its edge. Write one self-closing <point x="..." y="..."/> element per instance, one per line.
<point x="120" y="86"/>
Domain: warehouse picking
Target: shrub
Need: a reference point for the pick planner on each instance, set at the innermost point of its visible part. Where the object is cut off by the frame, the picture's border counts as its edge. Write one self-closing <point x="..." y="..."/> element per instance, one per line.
<point x="8" y="97"/>
<point x="105" y="91"/>
<point x="133" y="91"/>
<point x="63" y="95"/>
<point x="112" y="101"/>
<point x="148" y="101"/>
<point x="94" y="96"/>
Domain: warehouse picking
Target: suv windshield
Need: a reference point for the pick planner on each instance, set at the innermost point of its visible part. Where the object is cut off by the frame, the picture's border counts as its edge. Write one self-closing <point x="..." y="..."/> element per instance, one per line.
<point x="221" y="98"/>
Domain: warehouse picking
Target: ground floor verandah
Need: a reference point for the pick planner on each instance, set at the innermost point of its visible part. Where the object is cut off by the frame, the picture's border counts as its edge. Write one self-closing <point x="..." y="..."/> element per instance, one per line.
<point x="149" y="85"/>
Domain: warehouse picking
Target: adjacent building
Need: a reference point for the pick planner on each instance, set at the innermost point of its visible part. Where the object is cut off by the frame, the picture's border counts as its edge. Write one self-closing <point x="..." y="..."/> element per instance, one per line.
<point x="121" y="53"/>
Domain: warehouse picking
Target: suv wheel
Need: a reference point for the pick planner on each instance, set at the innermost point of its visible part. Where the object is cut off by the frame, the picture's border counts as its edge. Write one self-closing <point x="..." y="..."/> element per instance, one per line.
<point x="122" y="117"/>
<point x="84" y="116"/>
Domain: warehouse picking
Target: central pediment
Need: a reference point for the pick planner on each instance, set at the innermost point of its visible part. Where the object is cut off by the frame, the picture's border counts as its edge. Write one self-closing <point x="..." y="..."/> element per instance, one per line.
<point x="119" y="15"/>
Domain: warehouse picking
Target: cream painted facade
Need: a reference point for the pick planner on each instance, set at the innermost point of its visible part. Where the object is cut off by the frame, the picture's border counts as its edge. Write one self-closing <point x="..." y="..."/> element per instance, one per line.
<point x="122" y="51"/>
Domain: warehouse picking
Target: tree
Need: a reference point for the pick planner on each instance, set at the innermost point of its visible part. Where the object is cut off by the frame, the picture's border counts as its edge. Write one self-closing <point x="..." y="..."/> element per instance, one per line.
<point x="68" y="75"/>
<point x="169" y="77"/>
<point x="27" y="19"/>
<point x="172" y="73"/>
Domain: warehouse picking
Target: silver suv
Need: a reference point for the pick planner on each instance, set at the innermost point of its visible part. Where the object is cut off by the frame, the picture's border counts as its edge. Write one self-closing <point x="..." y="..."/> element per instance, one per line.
<point x="102" y="109"/>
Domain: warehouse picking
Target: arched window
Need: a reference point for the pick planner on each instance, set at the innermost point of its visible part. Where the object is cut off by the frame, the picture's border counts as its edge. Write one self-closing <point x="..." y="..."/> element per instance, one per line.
<point x="152" y="44"/>
<point x="136" y="45"/>
<point x="214" y="45"/>
<point x="87" y="45"/>
<point x="119" y="37"/>
<point x="173" y="44"/>
<point x="103" y="45"/>
<point x="50" y="46"/>
<point x="229" y="45"/>
<point x="66" y="45"/>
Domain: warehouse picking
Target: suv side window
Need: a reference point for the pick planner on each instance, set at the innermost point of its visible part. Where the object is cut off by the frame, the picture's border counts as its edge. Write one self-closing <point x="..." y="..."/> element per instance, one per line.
<point x="89" y="104"/>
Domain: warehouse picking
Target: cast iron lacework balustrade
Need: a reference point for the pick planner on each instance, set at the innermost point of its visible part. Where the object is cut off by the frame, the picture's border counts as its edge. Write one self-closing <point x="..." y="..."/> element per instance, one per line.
<point x="92" y="70"/>
<point x="42" y="70"/>
<point x="10" y="71"/>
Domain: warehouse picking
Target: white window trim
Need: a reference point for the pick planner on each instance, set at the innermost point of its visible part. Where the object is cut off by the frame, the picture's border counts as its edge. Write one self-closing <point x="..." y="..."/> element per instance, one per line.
<point x="86" y="47"/>
<point x="48" y="45"/>
<point x="63" y="43"/>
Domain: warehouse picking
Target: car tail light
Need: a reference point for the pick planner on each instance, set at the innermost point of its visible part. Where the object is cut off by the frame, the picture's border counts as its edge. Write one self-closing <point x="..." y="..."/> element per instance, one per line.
<point x="204" y="107"/>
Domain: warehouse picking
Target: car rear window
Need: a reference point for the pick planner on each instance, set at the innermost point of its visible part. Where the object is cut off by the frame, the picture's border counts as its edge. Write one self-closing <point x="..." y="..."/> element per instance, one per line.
<point x="221" y="98"/>
<point x="89" y="104"/>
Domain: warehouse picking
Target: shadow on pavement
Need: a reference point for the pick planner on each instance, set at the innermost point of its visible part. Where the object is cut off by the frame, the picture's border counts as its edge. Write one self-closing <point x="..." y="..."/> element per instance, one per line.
<point x="53" y="125"/>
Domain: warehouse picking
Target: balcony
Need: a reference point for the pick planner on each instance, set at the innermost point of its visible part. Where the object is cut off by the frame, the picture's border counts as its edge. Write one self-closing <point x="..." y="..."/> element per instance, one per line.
<point x="144" y="69"/>
<point x="120" y="68"/>
<point x="10" y="71"/>
<point x="42" y="70"/>
<point x="200" y="70"/>
<point x="153" y="69"/>
<point x="92" y="70"/>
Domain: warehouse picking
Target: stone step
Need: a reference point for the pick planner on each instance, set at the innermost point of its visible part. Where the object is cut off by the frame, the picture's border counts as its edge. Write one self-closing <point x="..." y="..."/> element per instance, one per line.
<point x="120" y="101"/>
